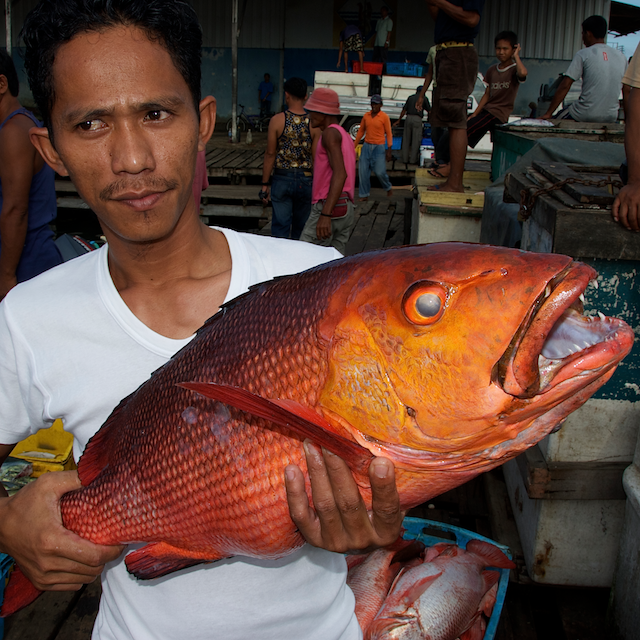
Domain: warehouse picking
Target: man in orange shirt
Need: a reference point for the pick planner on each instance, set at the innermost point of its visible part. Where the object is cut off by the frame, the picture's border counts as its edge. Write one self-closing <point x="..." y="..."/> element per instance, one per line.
<point x="375" y="126"/>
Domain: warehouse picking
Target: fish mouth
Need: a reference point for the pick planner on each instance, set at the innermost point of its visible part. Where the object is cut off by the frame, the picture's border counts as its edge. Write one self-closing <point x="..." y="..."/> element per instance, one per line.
<point x="557" y="342"/>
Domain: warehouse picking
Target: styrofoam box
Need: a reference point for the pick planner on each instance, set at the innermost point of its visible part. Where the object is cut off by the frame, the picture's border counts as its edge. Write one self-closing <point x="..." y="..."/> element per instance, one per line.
<point x="345" y="84"/>
<point x="566" y="542"/>
<point x="625" y="601"/>
<point x="400" y="87"/>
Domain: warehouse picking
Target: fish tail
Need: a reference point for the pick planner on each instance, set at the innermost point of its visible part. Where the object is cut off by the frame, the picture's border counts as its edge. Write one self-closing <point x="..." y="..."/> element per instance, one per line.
<point x="18" y="593"/>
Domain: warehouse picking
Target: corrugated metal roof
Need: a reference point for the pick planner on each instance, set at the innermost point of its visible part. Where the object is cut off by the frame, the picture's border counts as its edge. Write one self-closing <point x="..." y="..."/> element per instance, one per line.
<point x="546" y="28"/>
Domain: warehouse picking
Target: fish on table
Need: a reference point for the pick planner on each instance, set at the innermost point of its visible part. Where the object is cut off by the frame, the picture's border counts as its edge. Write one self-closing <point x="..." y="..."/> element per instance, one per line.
<point x="448" y="359"/>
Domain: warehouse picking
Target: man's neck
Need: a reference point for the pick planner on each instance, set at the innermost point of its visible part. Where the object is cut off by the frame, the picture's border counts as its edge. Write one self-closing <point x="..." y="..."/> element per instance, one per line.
<point x="296" y="106"/>
<point x="175" y="284"/>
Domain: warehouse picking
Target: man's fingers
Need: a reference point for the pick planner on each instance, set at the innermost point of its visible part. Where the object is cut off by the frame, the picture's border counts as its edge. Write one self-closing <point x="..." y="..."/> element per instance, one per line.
<point x="386" y="514"/>
<point x="301" y="513"/>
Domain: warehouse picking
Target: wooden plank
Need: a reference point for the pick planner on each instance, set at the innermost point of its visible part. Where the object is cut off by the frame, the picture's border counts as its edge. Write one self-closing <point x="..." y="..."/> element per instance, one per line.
<point x="422" y="173"/>
<point x="237" y="211"/>
<point x="229" y="160"/>
<point x="232" y="192"/>
<point x="222" y="158"/>
<point x="451" y="198"/>
<point x="251" y="158"/>
<point x="598" y="480"/>
<point x="592" y="233"/>
<point x="69" y="202"/>
<point x="378" y="232"/>
<point x="359" y="234"/>
<point x="79" y="624"/>
<point x="557" y="172"/>
<point x="559" y="194"/>
<point x="42" y="618"/>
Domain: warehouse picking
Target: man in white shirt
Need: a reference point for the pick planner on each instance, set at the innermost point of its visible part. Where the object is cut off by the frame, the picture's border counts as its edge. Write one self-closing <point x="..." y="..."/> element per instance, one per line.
<point x="601" y="68"/>
<point x="118" y="85"/>
<point x="384" y="26"/>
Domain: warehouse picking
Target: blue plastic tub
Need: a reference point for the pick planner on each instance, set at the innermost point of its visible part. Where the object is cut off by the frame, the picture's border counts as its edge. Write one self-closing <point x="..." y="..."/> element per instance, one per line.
<point x="419" y="529"/>
<point x="404" y="69"/>
<point x="6" y="562"/>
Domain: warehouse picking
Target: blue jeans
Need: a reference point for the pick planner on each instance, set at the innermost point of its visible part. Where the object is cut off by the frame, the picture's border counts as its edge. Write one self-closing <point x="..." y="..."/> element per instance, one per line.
<point x="373" y="159"/>
<point x="291" y="201"/>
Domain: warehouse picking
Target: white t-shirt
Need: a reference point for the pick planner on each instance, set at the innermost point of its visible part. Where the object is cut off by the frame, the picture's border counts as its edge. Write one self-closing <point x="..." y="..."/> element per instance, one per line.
<point x="70" y="348"/>
<point x="601" y="68"/>
<point x="383" y="27"/>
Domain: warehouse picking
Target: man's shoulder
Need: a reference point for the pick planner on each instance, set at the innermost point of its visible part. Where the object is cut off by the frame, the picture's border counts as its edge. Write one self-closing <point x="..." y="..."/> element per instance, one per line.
<point x="57" y="287"/>
<point x="274" y="257"/>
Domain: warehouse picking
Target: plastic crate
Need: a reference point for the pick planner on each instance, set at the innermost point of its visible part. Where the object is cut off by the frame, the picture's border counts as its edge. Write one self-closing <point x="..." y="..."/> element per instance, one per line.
<point x="372" y="68"/>
<point x="6" y="563"/>
<point x="397" y="143"/>
<point x="419" y="529"/>
<point x="404" y="69"/>
<point x="47" y="450"/>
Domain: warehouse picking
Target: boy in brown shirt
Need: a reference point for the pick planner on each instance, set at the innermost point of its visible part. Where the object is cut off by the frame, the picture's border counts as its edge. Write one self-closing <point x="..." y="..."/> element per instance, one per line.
<point x="503" y="81"/>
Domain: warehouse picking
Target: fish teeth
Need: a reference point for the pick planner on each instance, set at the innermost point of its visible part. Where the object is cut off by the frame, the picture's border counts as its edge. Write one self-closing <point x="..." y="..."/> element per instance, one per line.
<point x="547" y="291"/>
<point x="581" y="298"/>
<point x="601" y="315"/>
<point x="595" y="284"/>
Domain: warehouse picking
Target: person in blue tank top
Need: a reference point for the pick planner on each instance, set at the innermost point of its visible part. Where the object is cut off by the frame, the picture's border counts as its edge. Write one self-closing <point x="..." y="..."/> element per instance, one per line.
<point x="27" y="191"/>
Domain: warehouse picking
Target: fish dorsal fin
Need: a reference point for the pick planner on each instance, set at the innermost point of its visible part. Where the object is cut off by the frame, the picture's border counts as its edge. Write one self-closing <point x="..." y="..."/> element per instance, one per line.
<point x="490" y="554"/>
<point x="101" y="446"/>
<point x="290" y="414"/>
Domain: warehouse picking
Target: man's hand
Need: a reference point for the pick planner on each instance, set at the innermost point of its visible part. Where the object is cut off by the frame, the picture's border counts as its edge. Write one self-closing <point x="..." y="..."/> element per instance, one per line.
<point x="388" y="155"/>
<point x="626" y="207"/>
<point x="267" y="190"/>
<point x="339" y="520"/>
<point x="31" y="530"/>
<point x="323" y="228"/>
<point x="516" y="51"/>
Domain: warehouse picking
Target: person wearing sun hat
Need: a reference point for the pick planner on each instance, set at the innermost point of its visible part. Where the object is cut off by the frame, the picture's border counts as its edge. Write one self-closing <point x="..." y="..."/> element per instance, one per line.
<point x="374" y="127"/>
<point x="334" y="175"/>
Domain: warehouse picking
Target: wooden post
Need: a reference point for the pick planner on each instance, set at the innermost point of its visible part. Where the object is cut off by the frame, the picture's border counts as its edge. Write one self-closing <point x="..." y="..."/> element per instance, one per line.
<point x="234" y="70"/>
<point x="7" y="20"/>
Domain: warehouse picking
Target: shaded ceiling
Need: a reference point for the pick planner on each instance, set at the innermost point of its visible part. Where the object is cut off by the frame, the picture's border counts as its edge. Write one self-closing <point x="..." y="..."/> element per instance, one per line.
<point x="624" y="19"/>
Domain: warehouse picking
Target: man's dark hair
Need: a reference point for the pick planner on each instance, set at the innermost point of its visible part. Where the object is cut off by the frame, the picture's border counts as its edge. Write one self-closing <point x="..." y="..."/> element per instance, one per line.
<point x="172" y="23"/>
<point x="509" y="36"/>
<point x="8" y="69"/>
<point x="597" y="25"/>
<point x="297" y="87"/>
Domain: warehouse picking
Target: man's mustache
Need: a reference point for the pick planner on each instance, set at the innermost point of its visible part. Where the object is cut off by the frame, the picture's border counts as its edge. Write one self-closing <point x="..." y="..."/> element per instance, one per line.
<point x="152" y="183"/>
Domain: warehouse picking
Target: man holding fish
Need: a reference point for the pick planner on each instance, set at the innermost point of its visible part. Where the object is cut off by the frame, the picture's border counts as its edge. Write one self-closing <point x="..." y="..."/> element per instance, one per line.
<point x="118" y="84"/>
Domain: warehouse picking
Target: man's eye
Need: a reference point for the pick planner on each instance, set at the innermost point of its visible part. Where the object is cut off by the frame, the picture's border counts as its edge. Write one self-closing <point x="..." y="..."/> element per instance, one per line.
<point x="158" y="114"/>
<point x="90" y="125"/>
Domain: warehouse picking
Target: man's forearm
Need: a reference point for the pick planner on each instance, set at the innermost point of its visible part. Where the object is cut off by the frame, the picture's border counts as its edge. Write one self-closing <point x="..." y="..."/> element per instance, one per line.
<point x="338" y="178"/>
<point x="13" y="232"/>
<point x="467" y="18"/>
<point x="632" y="135"/>
<point x="560" y="94"/>
<point x="267" y="166"/>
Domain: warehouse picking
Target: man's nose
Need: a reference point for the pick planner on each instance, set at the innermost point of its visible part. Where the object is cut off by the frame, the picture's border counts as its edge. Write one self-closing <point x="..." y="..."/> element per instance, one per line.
<point x="131" y="149"/>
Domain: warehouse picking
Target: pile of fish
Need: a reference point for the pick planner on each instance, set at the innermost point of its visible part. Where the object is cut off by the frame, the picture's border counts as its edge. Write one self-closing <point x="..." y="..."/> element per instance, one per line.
<point x="442" y="592"/>
<point x="448" y="359"/>
<point x="14" y="474"/>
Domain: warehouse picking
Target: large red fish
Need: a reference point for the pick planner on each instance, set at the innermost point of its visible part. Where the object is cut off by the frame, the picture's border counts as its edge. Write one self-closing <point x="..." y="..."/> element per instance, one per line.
<point x="438" y="357"/>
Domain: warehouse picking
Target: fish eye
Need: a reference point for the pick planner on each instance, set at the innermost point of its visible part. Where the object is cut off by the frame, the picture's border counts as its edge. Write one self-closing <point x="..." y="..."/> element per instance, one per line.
<point x="424" y="303"/>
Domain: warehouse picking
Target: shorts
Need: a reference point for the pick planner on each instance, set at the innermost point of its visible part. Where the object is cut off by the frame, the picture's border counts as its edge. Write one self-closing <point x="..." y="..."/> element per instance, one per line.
<point x="354" y="43"/>
<point x="478" y="126"/>
<point x="456" y="72"/>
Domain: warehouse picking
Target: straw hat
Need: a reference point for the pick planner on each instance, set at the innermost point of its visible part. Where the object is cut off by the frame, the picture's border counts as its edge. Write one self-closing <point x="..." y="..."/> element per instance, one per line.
<point x="325" y="101"/>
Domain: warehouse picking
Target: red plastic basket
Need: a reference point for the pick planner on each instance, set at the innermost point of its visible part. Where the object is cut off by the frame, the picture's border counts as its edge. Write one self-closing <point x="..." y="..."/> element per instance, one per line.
<point x="373" y="68"/>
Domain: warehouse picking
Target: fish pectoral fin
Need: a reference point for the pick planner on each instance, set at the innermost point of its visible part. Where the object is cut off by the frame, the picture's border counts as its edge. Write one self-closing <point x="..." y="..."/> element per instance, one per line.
<point x="159" y="558"/>
<point x="290" y="414"/>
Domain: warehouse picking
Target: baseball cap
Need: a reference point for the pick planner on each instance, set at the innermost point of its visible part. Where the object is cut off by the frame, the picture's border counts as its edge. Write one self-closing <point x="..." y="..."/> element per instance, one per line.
<point x="419" y="88"/>
<point x="324" y="100"/>
<point x="376" y="99"/>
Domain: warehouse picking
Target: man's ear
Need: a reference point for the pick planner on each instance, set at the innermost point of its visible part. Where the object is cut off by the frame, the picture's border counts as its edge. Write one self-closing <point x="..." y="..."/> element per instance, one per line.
<point x="40" y="140"/>
<point x="207" y="121"/>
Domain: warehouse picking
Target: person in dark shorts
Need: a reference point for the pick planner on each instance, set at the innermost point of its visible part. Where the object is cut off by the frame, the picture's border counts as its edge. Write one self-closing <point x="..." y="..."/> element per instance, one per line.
<point x="457" y="25"/>
<point x="351" y="40"/>
<point x="503" y="81"/>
